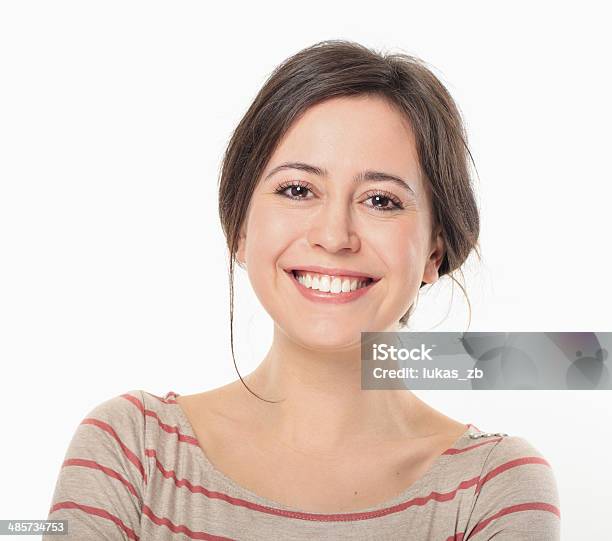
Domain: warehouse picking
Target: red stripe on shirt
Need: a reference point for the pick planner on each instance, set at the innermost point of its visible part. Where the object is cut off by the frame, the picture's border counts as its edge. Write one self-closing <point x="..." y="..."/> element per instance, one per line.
<point x="97" y="512"/>
<point x="135" y="401"/>
<point x="159" y="521"/>
<point x="527" y="506"/>
<point x="131" y="456"/>
<point x="170" y="429"/>
<point x="510" y="464"/>
<point x="96" y="466"/>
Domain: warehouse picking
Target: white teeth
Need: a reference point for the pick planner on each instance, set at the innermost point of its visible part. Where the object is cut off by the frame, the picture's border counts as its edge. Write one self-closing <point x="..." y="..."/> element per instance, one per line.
<point x="331" y="284"/>
<point x="324" y="283"/>
<point x="336" y="285"/>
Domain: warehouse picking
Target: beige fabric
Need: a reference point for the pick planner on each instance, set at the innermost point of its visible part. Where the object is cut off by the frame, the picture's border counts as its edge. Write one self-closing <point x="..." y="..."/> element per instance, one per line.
<point x="134" y="470"/>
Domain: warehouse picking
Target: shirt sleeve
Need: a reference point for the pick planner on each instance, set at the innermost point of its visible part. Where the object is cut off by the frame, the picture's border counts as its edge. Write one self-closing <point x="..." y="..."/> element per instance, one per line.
<point x="101" y="482"/>
<point x="516" y="497"/>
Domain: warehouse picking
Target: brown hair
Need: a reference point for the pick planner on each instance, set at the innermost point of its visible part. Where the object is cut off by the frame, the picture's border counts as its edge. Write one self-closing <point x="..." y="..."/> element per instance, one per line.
<point x="334" y="68"/>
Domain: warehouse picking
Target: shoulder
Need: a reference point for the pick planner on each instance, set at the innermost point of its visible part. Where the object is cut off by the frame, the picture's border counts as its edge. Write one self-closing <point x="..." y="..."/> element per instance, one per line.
<point x="101" y="482"/>
<point x="111" y="435"/>
<point x="516" y="465"/>
<point x="124" y="412"/>
<point x="516" y="491"/>
<point x="121" y="404"/>
<point x="114" y="426"/>
<point x="131" y="408"/>
<point x="513" y="459"/>
<point x="121" y="427"/>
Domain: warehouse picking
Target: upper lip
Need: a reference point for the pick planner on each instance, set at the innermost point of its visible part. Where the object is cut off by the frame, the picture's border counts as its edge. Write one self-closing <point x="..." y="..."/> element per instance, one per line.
<point x="333" y="271"/>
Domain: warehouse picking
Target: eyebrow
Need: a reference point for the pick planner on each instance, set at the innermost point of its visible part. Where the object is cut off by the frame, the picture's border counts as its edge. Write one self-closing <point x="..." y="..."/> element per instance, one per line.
<point x="366" y="175"/>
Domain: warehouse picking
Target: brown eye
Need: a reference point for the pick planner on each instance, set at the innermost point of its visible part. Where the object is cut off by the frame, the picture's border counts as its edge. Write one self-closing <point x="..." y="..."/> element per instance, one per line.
<point x="296" y="189"/>
<point x="384" y="198"/>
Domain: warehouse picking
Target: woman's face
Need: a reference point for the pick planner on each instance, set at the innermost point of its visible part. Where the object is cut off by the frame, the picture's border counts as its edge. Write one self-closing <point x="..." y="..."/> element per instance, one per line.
<point x="375" y="227"/>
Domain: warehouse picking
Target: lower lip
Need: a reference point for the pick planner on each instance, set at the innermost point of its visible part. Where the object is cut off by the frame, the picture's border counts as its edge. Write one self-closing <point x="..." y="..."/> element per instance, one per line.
<point x="332" y="298"/>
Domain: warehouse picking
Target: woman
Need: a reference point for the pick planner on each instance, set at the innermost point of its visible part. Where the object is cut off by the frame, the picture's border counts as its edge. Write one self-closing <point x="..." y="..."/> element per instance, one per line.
<point x="344" y="189"/>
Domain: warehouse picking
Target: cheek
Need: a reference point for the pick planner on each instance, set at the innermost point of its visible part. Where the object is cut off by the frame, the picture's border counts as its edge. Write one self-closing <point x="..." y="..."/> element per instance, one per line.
<point x="399" y="247"/>
<point x="270" y="231"/>
<point x="261" y="253"/>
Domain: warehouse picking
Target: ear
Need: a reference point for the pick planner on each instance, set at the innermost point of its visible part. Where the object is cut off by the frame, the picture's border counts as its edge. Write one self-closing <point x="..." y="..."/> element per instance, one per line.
<point x="435" y="257"/>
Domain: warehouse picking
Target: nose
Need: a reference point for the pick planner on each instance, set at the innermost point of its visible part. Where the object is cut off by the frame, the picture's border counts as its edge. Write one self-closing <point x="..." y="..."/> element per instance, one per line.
<point x="332" y="228"/>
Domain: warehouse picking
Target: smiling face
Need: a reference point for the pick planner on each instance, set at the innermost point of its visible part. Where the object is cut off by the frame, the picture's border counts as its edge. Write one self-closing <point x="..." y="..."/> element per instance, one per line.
<point x="320" y="212"/>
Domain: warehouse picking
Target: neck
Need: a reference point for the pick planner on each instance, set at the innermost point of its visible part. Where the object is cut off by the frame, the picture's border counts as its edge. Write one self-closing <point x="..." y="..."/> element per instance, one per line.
<point x="321" y="404"/>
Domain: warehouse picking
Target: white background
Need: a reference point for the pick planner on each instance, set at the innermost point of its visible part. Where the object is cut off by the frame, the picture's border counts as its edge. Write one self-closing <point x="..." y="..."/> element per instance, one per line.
<point x="113" y="120"/>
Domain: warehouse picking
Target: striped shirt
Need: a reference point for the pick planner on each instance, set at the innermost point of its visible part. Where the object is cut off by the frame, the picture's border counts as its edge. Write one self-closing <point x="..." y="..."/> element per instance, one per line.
<point x="134" y="470"/>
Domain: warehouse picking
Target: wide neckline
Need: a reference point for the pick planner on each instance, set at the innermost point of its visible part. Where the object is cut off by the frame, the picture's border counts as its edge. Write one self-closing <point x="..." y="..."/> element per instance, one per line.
<point x="244" y="492"/>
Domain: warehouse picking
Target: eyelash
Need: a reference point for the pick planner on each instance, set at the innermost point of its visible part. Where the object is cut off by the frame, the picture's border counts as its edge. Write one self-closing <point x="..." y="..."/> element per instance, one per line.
<point x="398" y="204"/>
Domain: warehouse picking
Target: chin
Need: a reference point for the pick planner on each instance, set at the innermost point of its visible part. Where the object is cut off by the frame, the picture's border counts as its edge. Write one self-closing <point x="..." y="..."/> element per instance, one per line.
<point x="326" y="334"/>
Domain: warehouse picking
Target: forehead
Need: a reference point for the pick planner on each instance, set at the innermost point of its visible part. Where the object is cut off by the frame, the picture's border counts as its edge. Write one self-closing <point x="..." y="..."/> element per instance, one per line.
<point x="349" y="134"/>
